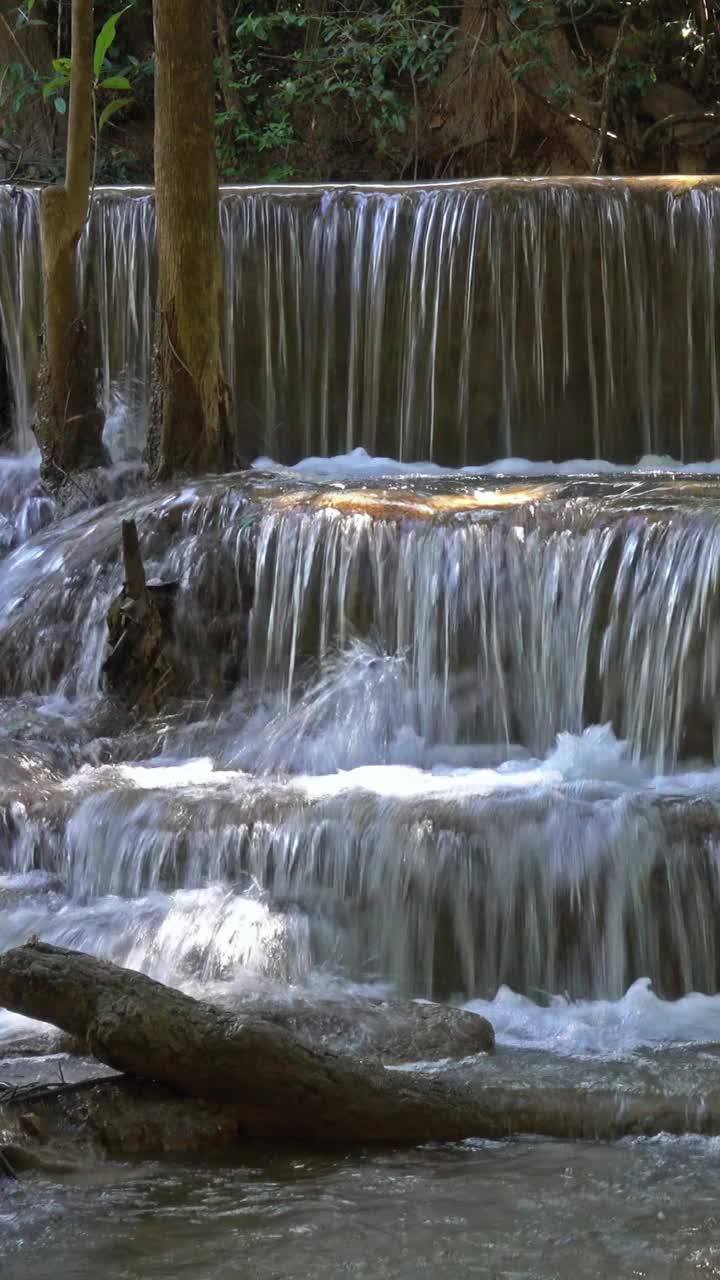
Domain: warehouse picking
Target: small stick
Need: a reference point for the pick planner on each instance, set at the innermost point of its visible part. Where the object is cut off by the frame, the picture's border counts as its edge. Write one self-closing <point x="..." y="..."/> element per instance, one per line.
<point x="134" y="571"/>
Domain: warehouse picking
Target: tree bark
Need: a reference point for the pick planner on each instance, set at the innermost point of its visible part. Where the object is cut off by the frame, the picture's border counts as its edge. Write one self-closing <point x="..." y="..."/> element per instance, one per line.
<point x="69" y="420"/>
<point x="230" y="92"/>
<point x="190" y="412"/>
<point x="495" y="98"/>
<point x="272" y="1085"/>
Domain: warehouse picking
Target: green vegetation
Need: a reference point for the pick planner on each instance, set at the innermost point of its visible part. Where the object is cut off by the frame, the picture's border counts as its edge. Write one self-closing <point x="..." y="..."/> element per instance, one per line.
<point x="392" y="89"/>
<point x="299" y="73"/>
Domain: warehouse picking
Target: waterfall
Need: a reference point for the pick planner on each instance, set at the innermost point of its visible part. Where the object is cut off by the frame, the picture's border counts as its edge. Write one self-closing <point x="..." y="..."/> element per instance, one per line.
<point x="437" y="728"/>
<point x="513" y="621"/>
<point x="578" y="888"/>
<point x="462" y="322"/>
<point x="391" y="761"/>
<point x="20" y="309"/>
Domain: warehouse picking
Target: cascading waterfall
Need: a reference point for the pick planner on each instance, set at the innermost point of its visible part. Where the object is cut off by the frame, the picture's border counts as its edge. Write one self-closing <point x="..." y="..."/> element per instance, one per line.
<point x="118" y="270"/>
<point x="518" y="614"/>
<point x="366" y="781"/>
<point x="460" y="322"/>
<point x="443" y="730"/>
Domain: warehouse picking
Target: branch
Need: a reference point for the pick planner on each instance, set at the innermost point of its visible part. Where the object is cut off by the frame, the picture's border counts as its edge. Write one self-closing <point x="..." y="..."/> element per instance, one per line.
<point x="271" y="1083"/>
<point x="17" y="44"/>
<point x="679" y="117"/>
<point x="607" y="94"/>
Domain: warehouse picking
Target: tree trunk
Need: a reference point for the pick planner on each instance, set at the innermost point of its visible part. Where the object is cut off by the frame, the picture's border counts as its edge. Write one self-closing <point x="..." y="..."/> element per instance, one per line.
<point x="230" y="92"/>
<point x="495" y="99"/>
<point x="272" y="1085"/>
<point x="69" y="421"/>
<point x="190" y="412"/>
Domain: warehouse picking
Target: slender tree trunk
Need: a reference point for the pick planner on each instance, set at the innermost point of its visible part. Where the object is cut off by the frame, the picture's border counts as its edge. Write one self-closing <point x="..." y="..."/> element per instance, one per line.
<point x="230" y="92"/>
<point x="190" y="413"/>
<point x="69" y="421"/>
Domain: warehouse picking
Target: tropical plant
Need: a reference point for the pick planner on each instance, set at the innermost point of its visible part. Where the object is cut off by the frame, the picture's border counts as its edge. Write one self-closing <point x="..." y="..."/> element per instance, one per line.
<point x="105" y="79"/>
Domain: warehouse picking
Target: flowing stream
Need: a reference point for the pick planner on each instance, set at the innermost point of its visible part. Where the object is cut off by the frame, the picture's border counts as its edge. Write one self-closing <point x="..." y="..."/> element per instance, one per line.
<point x="446" y="732"/>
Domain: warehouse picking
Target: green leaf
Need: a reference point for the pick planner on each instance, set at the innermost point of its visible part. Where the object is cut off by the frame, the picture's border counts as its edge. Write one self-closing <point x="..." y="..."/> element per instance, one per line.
<point x="107" y="112"/>
<point x="57" y="82"/>
<point x="60" y="106"/>
<point x="115" y="82"/>
<point x="105" y="39"/>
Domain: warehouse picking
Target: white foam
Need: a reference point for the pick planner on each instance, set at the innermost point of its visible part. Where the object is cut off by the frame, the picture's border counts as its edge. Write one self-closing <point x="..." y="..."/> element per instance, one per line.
<point x="595" y="761"/>
<point x="360" y="463"/>
<point x="596" y="753"/>
<point x="608" y="1028"/>
<point x="595" y="756"/>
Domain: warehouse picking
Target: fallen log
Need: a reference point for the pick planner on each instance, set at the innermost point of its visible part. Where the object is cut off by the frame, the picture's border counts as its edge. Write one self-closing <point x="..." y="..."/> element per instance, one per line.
<point x="269" y="1084"/>
<point x="281" y="1086"/>
<point x="389" y="1031"/>
<point x="125" y="1116"/>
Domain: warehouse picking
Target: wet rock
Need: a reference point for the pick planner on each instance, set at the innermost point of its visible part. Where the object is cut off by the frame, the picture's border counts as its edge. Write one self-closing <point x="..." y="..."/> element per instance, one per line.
<point x="92" y="488"/>
<point x="34" y="1126"/>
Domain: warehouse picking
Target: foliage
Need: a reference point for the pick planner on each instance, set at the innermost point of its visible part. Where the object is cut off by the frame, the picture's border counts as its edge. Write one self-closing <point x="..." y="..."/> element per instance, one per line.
<point x="359" y="70"/>
<point x="58" y="85"/>
<point x="662" y="38"/>
<point x="118" y="74"/>
<point x="350" y="88"/>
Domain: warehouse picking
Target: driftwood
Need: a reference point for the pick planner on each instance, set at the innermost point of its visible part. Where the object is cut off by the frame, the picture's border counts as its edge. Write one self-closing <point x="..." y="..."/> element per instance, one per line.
<point x="280" y="1086"/>
<point x="265" y="1082"/>
<point x="126" y="1116"/>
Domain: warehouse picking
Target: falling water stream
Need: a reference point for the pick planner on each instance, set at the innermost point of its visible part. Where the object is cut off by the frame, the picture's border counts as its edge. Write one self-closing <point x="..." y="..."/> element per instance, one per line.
<point x="450" y="732"/>
<point x="461" y="322"/>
